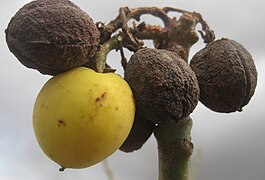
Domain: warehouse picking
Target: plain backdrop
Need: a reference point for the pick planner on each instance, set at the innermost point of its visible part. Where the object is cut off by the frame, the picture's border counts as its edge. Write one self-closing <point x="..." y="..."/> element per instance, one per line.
<point x="227" y="146"/>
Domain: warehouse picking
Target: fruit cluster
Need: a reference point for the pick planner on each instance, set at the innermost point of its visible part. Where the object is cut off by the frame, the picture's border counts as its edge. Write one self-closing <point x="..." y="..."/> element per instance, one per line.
<point x="82" y="116"/>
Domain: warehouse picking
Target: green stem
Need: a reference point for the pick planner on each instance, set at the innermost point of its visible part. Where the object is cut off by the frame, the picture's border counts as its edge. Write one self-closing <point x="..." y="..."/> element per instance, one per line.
<point x="99" y="59"/>
<point x="98" y="62"/>
<point x="174" y="150"/>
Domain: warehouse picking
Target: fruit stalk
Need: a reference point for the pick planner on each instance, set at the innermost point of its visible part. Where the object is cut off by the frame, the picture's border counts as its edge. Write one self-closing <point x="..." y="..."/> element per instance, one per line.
<point x="99" y="60"/>
<point x="174" y="150"/>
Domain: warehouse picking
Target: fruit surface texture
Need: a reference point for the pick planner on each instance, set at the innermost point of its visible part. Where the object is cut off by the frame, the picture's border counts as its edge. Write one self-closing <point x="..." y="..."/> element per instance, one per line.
<point x="81" y="117"/>
<point x="52" y="36"/>
<point x="227" y="75"/>
<point x="164" y="86"/>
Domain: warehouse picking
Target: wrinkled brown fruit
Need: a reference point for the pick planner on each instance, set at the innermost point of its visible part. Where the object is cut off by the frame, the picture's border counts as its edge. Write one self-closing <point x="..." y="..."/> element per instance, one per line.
<point x="164" y="86"/>
<point x="141" y="130"/>
<point x="52" y="36"/>
<point x="227" y="75"/>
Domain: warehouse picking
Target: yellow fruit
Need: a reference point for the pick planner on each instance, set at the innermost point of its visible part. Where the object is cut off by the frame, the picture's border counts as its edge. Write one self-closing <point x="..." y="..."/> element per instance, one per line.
<point x="81" y="117"/>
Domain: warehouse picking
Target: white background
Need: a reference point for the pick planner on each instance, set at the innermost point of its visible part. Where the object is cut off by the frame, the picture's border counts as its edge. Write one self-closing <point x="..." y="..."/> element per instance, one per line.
<point x="227" y="146"/>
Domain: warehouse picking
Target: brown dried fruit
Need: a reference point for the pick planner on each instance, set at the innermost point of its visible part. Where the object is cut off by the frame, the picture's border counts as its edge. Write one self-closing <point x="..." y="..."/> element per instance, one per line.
<point x="141" y="130"/>
<point x="164" y="86"/>
<point x="227" y="75"/>
<point x="52" y="36"/>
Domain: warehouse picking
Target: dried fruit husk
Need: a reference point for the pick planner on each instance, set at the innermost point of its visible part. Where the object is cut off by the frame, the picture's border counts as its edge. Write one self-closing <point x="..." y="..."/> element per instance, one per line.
<point x="141" y="130"/>
<point x="164" y="86"/>
<point x="227" y="75"/>
<point x="52" y="36"/>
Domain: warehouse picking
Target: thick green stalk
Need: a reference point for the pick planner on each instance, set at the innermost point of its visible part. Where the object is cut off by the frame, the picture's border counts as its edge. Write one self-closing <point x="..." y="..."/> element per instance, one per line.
<point x="174" y="150"/>
<point x="99" y="60"/>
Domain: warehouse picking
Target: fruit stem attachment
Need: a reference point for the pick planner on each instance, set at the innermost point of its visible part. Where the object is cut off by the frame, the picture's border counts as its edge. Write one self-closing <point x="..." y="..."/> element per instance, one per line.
<point x="61" y="169"/>
<point x="98" y="62"/>
<point x="174" y="150"/>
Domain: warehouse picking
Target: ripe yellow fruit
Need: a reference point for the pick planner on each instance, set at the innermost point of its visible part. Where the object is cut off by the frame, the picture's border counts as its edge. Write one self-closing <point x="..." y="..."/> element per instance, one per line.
<point x="81" y="117"/>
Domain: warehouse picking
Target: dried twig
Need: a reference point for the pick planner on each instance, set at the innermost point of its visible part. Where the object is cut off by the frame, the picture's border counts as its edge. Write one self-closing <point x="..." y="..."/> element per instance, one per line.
<point x="123" y="59"/>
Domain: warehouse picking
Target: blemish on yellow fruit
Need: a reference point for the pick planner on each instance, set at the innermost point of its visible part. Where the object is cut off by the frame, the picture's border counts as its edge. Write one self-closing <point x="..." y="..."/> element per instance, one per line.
<point x="103" y="96"/>
<point x="84" y="123"/>
<point x="61" y="123"/>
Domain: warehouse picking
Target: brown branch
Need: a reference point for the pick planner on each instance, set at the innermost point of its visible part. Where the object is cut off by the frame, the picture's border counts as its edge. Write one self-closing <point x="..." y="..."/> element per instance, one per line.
<point x="136" y="13"/>
<point x="208" y="35"/>
<point x="123" y="59"/>
<point x="130" y="41"/>
<point x="126" y="14"/>
<point x="178" y="35"/>
<point x="168" y="9"/>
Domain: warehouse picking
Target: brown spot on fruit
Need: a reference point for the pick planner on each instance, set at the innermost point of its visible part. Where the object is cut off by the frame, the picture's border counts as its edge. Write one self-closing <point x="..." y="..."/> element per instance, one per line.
<point x="227" y="75"/>
<point x="61" y="123"/>
<point x="103" y="96"/>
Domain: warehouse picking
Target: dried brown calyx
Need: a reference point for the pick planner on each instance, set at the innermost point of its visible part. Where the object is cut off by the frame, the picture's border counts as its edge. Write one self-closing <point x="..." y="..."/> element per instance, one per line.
<point x="52" y="36"/>
<point x="227" y="75"/>
<point x="164" y="86"/>
<point x="141" y="130"/>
